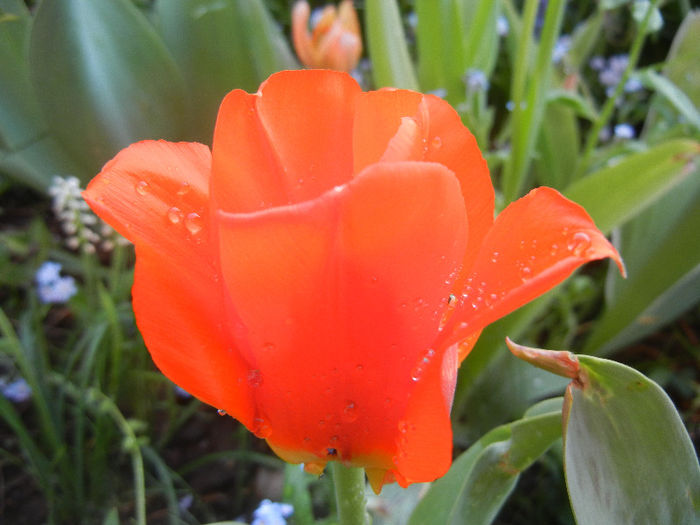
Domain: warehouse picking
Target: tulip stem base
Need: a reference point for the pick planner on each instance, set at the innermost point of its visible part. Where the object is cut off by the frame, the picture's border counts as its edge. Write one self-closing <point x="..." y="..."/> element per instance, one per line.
<point x="350" y="494"/>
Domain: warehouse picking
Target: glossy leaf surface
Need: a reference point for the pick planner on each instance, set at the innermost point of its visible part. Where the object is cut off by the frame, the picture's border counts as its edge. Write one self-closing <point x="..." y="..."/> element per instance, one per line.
<point x="628" y="457"/>
<point x="103" y="78"/>
<point x="480" y="480"/>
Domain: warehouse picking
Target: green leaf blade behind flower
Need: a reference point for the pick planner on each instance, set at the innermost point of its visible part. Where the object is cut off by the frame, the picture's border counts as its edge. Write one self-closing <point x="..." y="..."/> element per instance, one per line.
<point x="482" y="478"/>
<point x="103" y="78"/>
<point x="220" y="46"/>
<point x="386" y="42"/>
<point x="615" y="194"/>
<point x="628" y="457"/>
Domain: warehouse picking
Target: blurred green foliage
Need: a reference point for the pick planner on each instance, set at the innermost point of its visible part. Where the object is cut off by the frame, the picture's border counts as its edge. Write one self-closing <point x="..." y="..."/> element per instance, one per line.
<point x="597" y="99"/>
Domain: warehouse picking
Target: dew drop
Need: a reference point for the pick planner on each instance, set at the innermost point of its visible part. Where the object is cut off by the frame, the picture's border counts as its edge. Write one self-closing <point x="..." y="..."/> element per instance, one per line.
<point x="142" y="187"/>
<point x="359" y="368"/>
<point x="261" y="427"/>
<point x="321" y="423"/>
<point x="579" y="243"/>
<point x="269" y="347"/>
<point x="350" y="412"/>
<point x="417" y="373"/>
<point x="451" y="299"/>
<point x="255" y="378"/>
<point x="174" y="215"/>
<point x="494" y="257"/>
<point x="184" y="188"/>
<point x="554" y="249"/>
<point x="525" y="273"/>
<point x="437" y="142"/>
<point x="221" y="412"/>
<point x="193" y="223"/>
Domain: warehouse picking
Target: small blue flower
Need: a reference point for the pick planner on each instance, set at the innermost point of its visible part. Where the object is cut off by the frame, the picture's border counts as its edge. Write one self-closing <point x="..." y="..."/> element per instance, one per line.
<point x="624" y="132"/>
<point x="502" y="25"/>
<point x="51" y="287"/>
<point x="47" y="273"/>
<point x="561" y="48"/>
<point x="269" y="513"/>
<point x="17" y="391"/>
<point x="476" y="80"/>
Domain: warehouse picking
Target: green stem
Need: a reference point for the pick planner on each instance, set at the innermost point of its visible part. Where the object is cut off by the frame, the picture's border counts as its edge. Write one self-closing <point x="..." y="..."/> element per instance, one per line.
<point x="350" y="494"/>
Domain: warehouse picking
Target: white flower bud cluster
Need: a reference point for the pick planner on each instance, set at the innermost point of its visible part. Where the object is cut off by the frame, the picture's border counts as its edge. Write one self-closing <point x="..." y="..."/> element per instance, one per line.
<point x="83" y="229"/>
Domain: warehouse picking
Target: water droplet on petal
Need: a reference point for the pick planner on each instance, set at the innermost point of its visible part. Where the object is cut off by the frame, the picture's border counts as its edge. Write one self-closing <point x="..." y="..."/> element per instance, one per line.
<point x="554" y="249"/>
<point x="417" y="373"/>
<point x="221" y="412"/>
<point x="174" y="215"/>
<point x="494" y="257"/>
<point x="525" y="273"/>
<point x="193" y="223"/>
<point x="437" y="142"/>
<point x="184" y="188"/>
<point x="142" y="187"/>
<point x="255" y="378"/>
<point x="261" y="427"/>
<point x="579" y="243"/>
<point x="350" y="412"/>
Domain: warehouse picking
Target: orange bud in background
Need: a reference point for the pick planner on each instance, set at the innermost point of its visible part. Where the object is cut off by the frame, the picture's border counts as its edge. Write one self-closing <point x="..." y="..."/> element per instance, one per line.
<point x="334" y="43"/>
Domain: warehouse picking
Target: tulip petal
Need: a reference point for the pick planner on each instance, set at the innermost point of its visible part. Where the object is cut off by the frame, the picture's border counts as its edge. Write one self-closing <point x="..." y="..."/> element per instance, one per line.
<point x="378" y="115"/>
<point x="534" y="244"/>
<point x="246" y="174"/>
<point x="452" y="145"/>
<point x="394" y="125"/>
<point x="358" y="279"/>
<point x="308" y="118"/>
<point x="155" y="194"/>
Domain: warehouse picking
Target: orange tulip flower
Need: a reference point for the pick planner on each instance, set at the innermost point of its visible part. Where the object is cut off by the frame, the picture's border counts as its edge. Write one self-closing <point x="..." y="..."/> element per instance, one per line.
<point x="321" y="274"/>
<point x="335" y="42"/>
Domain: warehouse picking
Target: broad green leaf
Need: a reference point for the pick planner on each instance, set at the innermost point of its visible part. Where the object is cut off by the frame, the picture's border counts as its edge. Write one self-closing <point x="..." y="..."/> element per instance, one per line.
<point x="220" y="46"/>
<point x="557" y="146"/>
<point x="391" y="63"/>
<point x="481" y="479"/>
<point x="481" y="34"/>
<point x="13" y="7"/>
<point x="20" y="117"/>
<point x="614" y="194"/>
<point x="683" y="62"/>
<point x="668" y="90"/>
<point x="37" y="162"/>
<point x="103" y="78"/>
<point x="440" y="46"/>
<point x="627" y="455"/>
<point x="662" y="264"/>
<point x="681" y="68"/>
<point x="27" y="152"/>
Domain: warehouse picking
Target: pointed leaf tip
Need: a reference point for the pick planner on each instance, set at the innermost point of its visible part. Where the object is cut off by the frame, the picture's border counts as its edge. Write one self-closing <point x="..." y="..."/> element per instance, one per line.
<point x="560" y="362"/>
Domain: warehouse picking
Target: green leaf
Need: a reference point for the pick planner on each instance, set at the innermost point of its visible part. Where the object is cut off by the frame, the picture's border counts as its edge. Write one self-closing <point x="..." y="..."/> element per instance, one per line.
<point x="220" y="46"/>
<point x="557" y="146"/>
<point x="627" y="455"/>
<point x="614" y="194"/>
<point x="20" y="117"/>
<point x="296" y="493"/>
<point x="27" y="152"/>
<point x="13" y="7"/>
<point x="386" y="42"/>
<point x="668" y="90"/>
<point x="480" y="480"/>
<point x="103" y="78"/>
<point x="662" y="266"/>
